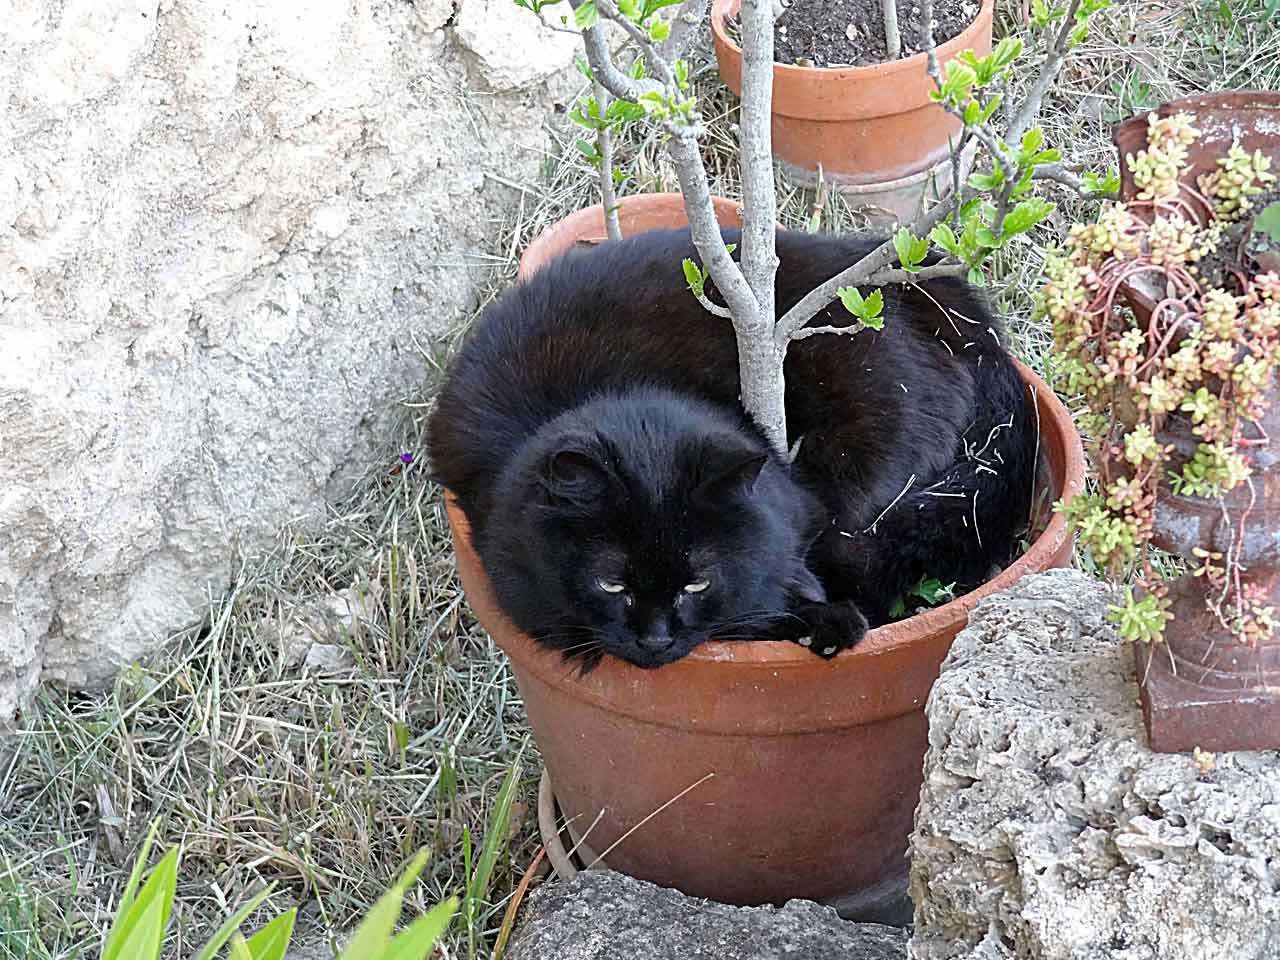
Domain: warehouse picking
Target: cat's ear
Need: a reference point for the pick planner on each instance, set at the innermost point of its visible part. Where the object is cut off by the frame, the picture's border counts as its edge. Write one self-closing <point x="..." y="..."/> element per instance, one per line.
<point x="728" y="473"/>
<point x="803" y="585"/>
<point x="575" y="475"/>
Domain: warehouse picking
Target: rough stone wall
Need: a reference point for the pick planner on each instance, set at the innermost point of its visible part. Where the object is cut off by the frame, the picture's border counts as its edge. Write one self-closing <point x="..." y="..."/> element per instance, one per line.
<point x="1047" y="830"/>
<point x="222" y="225"/>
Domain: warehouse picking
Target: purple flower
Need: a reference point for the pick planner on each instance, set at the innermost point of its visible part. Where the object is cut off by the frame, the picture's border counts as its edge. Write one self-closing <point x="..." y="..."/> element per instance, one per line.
<point x="406" y="458"/>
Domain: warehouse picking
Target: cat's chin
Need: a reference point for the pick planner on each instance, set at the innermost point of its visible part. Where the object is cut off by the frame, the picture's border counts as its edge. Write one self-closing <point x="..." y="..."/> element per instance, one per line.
<point x="644" y="659"/>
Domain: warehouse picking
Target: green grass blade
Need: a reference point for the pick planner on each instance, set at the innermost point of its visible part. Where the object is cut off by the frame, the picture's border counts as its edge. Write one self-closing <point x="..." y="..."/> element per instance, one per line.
<point x="374" y="933"/>
<point x="231" y="925"/>
<point x="140" y="933"/>
<point x="239" y="949"/>
<point x="495" y="838"/>
<point x="416" y="940"/>
<point x="130" y="890"/>
<point x="271" y="942"/>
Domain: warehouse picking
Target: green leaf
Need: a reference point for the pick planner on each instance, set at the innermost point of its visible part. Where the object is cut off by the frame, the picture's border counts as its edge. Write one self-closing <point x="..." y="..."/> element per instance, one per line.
<point x="587" y="150"/>
<point x="130" y="888"/>
<point x="629" y="9"/>
<point x="682" y="72"/>
<point x="584" y="68"/>
<point x="1007" y="51"/>
<point x="659" y="30"/>
<point x="1031" y="141"/>
<point x="898" y="609"/>
<point x="730" y="247"/>
<point x="636" y="70"/>
<point x="945" y="237"/>
<point x="933" y="591"/>
<point x="231" y="925"/>
<point x="374" y="933"/>
<point x="693" y="276"/>
<point x="1268" y="221"/>
<point x="239" y="949"/>
<point x="416" y="941"/>
<point x="1026" y="215"/>
<point x="867" y="310"/>
<point x="911" y="250"/>
<point x="272" y="941"/>
<point x="586" y="15"/>
<point x="976" y="277"/>
<point x="139" y="933"/>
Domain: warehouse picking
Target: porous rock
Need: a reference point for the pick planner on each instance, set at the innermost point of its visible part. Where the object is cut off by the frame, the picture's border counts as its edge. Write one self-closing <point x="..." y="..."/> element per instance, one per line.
<point x="604" y="915"/>
<point x="1047" y="830"/>
<point x="226" y="231"/>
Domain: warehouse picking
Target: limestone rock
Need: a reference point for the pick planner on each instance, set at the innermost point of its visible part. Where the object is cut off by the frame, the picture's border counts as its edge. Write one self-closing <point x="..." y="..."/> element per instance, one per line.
<point x="222" y="227"/>
<point x="1047" y="830"/>
<point x="490" y="29"/>
<point x="603" y="915"/>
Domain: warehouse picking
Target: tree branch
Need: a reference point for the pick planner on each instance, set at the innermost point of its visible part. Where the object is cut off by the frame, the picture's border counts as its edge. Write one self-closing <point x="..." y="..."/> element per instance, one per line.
<point x="606" y="72"/>
<point x="713" y="308"/>
<point x="892" y="38"/>
<point x="653" y="59"/>
<point x="759" y="201"/>
<point x="1060" y="174"/>
<point x="850" y="330"/>
<point x="604" y="141"/>
<point x="684" y="28"/>
<point x="1029" y="109"/>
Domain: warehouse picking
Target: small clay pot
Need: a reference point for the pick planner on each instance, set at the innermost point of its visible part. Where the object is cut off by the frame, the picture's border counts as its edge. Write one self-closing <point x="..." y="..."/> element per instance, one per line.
<point x="873" y="130"/>
<point x="1202" y="688"/>
<point x="804" y="773"/>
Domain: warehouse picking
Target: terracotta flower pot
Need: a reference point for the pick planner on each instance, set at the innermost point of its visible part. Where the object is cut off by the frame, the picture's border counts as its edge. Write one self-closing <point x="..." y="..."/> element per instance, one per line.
<point x="1202" y="688"/>
<point x="1250" y="117"/>
<point x="804" y="773"/>
<point x="873" y="130"/>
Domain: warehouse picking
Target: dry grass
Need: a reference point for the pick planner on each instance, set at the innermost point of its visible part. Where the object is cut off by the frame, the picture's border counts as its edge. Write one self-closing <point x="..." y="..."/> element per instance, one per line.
<point x="327" y="783"/>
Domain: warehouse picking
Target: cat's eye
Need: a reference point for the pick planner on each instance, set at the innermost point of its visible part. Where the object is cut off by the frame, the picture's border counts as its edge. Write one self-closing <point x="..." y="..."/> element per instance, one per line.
<point x="697" y="586"/>
<point x="608" y="586"/>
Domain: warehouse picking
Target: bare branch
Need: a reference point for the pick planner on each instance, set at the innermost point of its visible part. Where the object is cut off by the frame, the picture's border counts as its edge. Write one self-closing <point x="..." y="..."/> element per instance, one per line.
<point x="713" y="308"/>
<point x="892" y="39"/>
<point x="684" y="28"/>
<point x="850" y="330"/>
<point x="606" y="72"/>
<point x="858" y="274"/>
<point x="716" y="261"/>
<point x="759" y="231"/>
<point x="937" y="271"/>
<point x="653" y="59"/>
<point x="1029" y="109"/>
<point x="604" y="141"/>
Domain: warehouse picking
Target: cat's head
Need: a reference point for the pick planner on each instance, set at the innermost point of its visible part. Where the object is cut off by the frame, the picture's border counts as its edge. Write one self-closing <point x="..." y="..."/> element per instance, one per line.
<point x="641" y="525"/>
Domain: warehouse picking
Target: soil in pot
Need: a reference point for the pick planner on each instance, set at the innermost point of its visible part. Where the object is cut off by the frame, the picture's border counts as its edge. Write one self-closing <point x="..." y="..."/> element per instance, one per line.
<point x="850" y="33"/>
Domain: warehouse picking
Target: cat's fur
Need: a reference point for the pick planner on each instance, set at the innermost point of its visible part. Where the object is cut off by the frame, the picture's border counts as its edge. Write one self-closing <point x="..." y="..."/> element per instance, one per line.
<point x="591" y="431"/>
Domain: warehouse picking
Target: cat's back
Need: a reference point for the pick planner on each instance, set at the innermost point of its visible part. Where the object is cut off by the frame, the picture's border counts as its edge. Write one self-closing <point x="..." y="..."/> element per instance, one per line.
<point x="595" y="320"/>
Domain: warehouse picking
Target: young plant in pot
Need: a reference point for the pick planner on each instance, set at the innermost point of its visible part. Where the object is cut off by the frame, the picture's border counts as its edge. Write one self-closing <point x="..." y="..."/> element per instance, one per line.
<point x="1166" y="316"/>
<point x="671" y="442"/>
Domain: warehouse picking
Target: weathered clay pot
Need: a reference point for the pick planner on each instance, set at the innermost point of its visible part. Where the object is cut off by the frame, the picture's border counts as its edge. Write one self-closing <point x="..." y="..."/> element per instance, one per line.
<point x="873" y="130"/>
<point x="1201" y="688"/>
<point x="807" y="772"/>
<point x="1250" y="117"/>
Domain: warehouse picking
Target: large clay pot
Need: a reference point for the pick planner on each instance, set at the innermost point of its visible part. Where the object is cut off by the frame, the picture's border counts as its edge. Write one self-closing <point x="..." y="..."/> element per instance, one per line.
<point x="807" y="771"/>
<point x="1251" y="118"/>
<point x="873" y="130"/>
<point x="1201" y="688"/>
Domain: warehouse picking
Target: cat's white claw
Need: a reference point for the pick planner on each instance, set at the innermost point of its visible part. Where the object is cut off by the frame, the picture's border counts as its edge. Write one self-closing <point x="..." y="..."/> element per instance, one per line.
<point x="829" y="651"/>
<point x="805" y="641"/>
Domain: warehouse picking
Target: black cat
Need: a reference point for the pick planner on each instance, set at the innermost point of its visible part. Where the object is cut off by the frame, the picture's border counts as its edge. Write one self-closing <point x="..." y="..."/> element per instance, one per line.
<point x="622" y="502"/>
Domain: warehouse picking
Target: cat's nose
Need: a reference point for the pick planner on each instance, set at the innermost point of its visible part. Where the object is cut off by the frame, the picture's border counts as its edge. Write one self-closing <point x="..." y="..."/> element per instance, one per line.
<point x="657" y="639"/>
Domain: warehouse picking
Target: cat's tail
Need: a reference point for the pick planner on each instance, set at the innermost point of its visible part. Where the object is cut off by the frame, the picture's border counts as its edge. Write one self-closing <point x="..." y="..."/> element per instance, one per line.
<point x="965" y="525"/>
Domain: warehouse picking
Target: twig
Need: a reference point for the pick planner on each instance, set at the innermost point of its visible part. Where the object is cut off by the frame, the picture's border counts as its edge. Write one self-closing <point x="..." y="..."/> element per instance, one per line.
<point x="892" y="39"/>
<point x="604" y="141"/>
<point x="713" y="308"/>
<point x="850" y="330"/>
<point x="1029" y="109"/>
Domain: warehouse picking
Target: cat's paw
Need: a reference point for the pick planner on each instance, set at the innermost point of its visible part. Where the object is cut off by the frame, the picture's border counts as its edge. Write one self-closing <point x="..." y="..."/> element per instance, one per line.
<point x="830" y="627"/>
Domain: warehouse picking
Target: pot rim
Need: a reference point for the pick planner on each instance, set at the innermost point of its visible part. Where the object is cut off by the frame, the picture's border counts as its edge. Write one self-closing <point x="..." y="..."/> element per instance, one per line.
<point x="721" y="9"/>
<point x="784" y="654"/>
